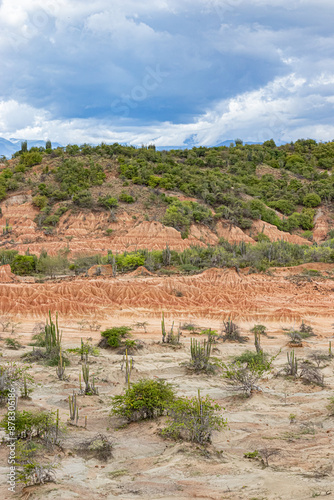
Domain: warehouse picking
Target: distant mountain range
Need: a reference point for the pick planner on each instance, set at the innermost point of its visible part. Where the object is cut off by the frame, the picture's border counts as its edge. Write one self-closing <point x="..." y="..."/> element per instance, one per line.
<point x="9" y="147"/>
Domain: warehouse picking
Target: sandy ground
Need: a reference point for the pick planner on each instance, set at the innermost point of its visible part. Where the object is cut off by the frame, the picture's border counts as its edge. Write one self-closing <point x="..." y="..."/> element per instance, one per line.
<point x="146" y="466"/>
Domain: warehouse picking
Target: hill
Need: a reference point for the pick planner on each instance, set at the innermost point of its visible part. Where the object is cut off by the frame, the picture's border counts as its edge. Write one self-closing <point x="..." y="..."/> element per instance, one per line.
<point x="245" y="206"/>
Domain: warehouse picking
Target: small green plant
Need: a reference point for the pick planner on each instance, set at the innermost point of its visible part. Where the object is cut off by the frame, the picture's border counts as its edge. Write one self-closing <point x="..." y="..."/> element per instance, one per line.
<point x="292" y="418"/>
<point x="7" y="229"/>
<point x="190" y="327"/>
<point x="12" y="344"/>
<point x="330" y="406"/>
<point x="193" y="419"/>
<point x="145" y="399"/>
<point x="126" y="198"/>
<point x="252" y="455"/>
<point x="85" y="349"/>
<point x="254" y="359"/>
<point x="212" y="334"/>
<point x="113" y="337"/>
<point x="25" y="390"/>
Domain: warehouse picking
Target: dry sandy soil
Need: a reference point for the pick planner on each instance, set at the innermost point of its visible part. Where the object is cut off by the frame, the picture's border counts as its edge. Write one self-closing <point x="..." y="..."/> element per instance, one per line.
<point x="144" y="465"/>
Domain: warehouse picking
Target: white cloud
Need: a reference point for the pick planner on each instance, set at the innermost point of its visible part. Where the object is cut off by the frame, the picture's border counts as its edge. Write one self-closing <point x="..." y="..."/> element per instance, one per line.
<point x="274" y="110"/>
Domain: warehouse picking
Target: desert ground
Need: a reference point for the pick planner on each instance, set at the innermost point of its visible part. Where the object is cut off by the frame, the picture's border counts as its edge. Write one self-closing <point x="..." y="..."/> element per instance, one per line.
<point x="143" y="464"/>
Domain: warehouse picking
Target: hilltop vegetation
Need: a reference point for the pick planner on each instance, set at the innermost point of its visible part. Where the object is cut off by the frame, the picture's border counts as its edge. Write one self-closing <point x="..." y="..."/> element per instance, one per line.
<point x="283" y="186"/>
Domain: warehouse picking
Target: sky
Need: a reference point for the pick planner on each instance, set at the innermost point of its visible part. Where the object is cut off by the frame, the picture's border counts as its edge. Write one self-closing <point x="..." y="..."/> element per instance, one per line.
<point x="168" y="72"/>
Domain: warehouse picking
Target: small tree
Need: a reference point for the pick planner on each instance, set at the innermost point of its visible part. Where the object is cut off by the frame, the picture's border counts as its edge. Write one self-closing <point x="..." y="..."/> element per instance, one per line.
<point x="244" y="377"/>
<point x="193" y="419"/>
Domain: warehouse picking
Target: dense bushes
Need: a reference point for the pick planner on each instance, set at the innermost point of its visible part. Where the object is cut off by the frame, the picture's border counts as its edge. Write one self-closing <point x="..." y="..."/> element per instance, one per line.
<point x="260" y="256"/>
<point x="74" y="176"/>
<point x="31" y="158"/>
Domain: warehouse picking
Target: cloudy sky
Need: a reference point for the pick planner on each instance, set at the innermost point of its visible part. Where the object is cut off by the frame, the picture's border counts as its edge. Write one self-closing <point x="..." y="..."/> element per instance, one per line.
<point x="171" y="72"/>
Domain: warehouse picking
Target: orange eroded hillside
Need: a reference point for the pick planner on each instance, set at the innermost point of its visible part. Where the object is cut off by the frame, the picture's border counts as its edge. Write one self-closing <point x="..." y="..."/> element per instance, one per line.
<point x="215" y="293"/>
<point x="91" y="232"/>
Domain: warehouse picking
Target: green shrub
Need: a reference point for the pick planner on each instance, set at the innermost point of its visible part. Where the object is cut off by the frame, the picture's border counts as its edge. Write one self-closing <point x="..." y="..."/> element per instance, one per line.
<point x="24" y="264"/>
<point x="311" y="200"/>
<point x="76" y="177"/>
<point x="262" y="237"/>
<point x="193" y="419"/>
<point x="40" y="201"/>
<point x="126" y="198"/>
<point x="83" y="199"/>
<point x="115" y="335"/>
<point x="257" y="361"/>
<point x="30" y="159"/>
<point x="145" y="399"/>
<point x="51" y="220"/>
<point x="108" y="202"/>
<point x="30" y="424"/>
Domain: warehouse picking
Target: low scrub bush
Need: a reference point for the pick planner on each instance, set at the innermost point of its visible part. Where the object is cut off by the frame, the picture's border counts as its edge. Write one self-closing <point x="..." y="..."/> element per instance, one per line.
<point x="12" y="376"/>
<point x="193" y="419"/>
<point x="145" y="399"/>
<point x="114" y="337"/>
<point x="231" y="332"/>
<point x="12" y="344"/>
<point x="98" y="446"/>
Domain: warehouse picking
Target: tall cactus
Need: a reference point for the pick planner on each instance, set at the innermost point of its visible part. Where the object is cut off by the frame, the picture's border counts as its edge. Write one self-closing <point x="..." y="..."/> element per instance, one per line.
<point x="166" y="256"/>
<point x="74" y="410"/>
<point x="128" y="365"/>
<point x="89" y="387"/>
<point x="292" y="367"/>
<point x="163" y="329"/>
<point x="60" y="370"/>
<point x="52" y="334"/>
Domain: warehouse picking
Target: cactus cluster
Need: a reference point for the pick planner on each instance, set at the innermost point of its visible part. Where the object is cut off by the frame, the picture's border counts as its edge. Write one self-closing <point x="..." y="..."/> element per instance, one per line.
<point x="200" y="355"/>
<point x="170" y="337"/>
<point x="292" y="366"/>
